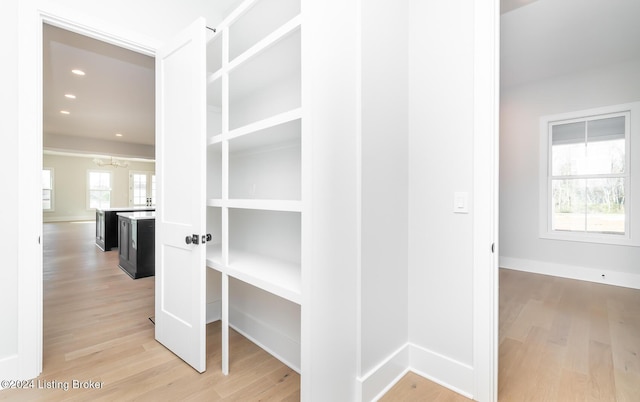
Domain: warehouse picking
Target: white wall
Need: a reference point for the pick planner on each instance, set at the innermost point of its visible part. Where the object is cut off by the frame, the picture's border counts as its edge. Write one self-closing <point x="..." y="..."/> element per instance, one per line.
<point x="384" y="188"/>
<point x="329" y="99"/>
<point x="414" y="133"/>
<point x="440" y="163"/>
<point x="521" y="108"/>
<point x="70" y="185"/>
<point x="152" y="20"/>
<point x="391" y="146"/>
<point x="9" y="201"/>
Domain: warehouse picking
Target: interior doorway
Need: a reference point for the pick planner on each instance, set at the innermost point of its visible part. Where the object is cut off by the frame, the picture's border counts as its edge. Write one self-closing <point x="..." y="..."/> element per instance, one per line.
<point x="550" y="72"/>
<point x="98" y="114"/>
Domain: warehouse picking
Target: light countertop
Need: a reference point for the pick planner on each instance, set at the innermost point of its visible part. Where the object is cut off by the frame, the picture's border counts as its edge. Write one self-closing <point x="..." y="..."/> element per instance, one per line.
<point x="139" y="215"/>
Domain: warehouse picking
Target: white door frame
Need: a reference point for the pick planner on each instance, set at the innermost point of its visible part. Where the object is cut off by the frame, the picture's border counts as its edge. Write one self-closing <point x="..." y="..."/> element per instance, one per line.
<point x="485" y="189"/>
<point x="32" y="16"/>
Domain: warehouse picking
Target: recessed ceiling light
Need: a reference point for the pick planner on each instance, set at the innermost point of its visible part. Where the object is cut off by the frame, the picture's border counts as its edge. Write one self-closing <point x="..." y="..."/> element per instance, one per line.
<point x="77" y="72"/>
<point x="65" y="112"/>
<point x="70" y="96"/>
<point x="118" y="135"/>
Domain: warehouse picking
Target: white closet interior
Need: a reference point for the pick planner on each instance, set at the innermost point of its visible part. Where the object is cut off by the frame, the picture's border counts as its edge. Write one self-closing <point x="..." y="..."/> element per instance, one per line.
<point x="254" y="176"/>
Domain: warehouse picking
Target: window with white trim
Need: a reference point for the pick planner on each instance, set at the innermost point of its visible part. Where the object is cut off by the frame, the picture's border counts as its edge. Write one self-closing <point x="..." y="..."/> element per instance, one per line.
<point x="47" y="189"/>
<point x="98" y="189"/>
<point x="585" y="181"/>
<point x="142" y="188"/>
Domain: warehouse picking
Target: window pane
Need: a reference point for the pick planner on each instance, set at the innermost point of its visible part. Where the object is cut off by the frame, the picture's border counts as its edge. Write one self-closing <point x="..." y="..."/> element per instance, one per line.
<point x="46" y="179"/>
<point x="46" y="198"/>
<point x="568" y="133"/>
<point x="94" y="180"/>
<point x="568" y="159"/>
<point x="604" y="157"/>
<point x="153" y="189"/>
<point x="569" y="205"/>
<point x="47" y="189"/>
<point x="593" y="147"/>
<point x="606" y="129"/>
<point x="99" y="189"/>
<point x="100" y="180"/>
<point x="599" y="157"/>
<point x="139" y="189"/>
<point x="104" y="180"/>
<point x="593" y="205"/>
<point x="94" y="201"/>
<point x="605" y="206"/>
<point x="99" y="199"/>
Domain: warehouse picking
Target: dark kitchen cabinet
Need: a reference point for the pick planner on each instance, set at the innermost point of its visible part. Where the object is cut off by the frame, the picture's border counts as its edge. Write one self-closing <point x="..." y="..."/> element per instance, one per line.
<point x="136" y="243"/>
<point x="107" y="225"/>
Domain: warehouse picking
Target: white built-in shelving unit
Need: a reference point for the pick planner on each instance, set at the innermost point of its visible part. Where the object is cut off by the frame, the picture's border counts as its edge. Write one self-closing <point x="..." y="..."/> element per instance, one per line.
<point x="255" y="173"/>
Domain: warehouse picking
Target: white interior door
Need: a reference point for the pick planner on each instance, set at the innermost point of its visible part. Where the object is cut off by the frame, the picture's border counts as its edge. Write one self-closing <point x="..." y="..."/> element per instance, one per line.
<point x="180" y="210"/>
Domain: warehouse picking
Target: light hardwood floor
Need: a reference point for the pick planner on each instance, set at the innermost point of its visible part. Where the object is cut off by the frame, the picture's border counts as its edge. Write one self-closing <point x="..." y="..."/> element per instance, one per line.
<point x="567" y="340"/>
<point x="560" y="340"/>
<point x="97" y="328"/>
<point x="413" y="388"/>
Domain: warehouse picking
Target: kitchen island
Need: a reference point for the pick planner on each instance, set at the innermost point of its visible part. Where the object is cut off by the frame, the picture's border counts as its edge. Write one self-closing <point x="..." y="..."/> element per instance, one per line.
<point x="107" y="225"/>
<point x="136" y="243"/>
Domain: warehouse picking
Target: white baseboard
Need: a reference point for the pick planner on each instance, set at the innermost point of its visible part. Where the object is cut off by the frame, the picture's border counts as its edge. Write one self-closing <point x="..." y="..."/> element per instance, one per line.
<point x="374" y="384"/>
<point x="608" y="277"/>
<point x="9" y="368"/>
<point x="449" y="373"/>
<point x="47" y="219"/>
<point x="276" y="343"/>
<point x="214" y="311"/>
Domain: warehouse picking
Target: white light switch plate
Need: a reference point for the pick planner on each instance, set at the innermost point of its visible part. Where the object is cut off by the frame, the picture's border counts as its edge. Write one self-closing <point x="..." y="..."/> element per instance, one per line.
<point x="461" y="202"/>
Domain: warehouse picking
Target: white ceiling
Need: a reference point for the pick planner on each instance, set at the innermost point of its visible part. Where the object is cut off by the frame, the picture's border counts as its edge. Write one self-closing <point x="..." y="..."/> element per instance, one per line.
<point x="549" y="38"/>
<point x="117" y="94"/>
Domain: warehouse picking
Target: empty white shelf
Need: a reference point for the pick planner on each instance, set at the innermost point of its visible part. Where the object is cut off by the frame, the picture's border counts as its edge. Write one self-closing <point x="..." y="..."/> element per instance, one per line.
<point x="281" y="278"/>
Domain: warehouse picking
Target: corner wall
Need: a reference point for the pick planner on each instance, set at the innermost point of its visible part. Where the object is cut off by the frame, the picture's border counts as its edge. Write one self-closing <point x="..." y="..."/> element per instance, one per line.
<point x="441" y="105"/>
<point x="384" y="193"/>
